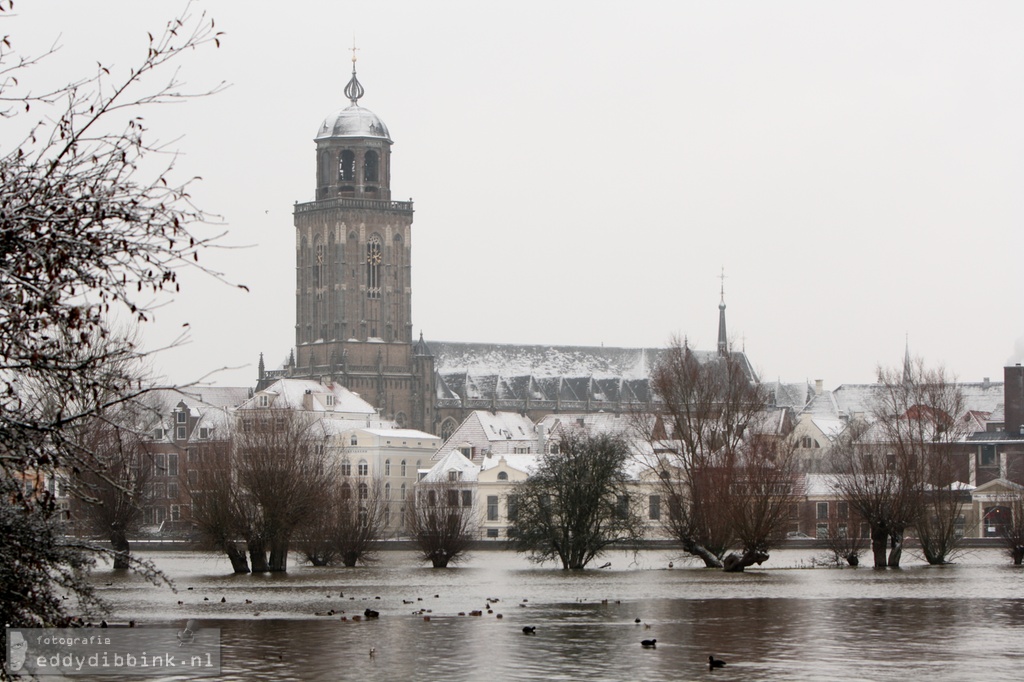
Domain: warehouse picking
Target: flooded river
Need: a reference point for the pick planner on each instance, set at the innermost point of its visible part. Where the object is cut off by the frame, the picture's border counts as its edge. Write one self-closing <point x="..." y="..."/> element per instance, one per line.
<point x="785" y="620"/>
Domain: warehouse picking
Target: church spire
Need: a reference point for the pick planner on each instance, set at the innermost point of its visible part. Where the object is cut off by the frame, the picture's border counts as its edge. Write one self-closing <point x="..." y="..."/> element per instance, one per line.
<point x="354" y="90"/>
<point x="908" y="367"/>
<point x="723" y="338"/>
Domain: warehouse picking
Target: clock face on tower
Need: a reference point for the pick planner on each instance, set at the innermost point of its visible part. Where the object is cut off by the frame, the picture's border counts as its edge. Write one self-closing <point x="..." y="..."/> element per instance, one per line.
<point x="373" y="258"/>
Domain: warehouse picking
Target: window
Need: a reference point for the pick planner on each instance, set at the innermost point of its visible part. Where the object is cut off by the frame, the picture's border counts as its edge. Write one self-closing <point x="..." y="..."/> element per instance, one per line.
<point x="204" y="433"/>
<point x="822" y="513"/>
<point x="346" y="467"/>
<point x="821" y="532"/>
<point x="622" y="506"/>
<point x="370" y="167"/>
<point x="387" y="515"/>
<point x="553" y="448"/>
<point x="401" y="492"/>
<point x="794" y="510"/>
<point x="387" y="491"/>
<point x="467" y="498"/>
<point x="513" y="507"/>
<point x="843" y="510"/>
<point x="158" y="434"/>
<point x="159" y="491"/>
<point x="364" y="517"/>
<point x="364" y="468"/>
<point x="172" y="490"/>
<point x="453" y="498"/>
<point x="193" y="477"/>
<point x="387" y="467"/>
<point x="181" y="417"/>
<point x="521" y="450"/>
<point x="354" y="440"/>
<point x="654" y="508"/>
<point x="175" y="512"/>
<point x="346" y="491"/>
<point x="988" y="455"/>
<point x="492" y="532"/>
<point x="454" y="475"/>
<point x="180" y="435"/>
<point x="841" y="530"/>
<point x="364" y="491"/>
<point x="502" y="475"/>
<point x="403" y="470"/>
<point x="492" y="508"/>
<point x="172" y="464"/>
<point x="159" y="513"/>
<point x="330" y="400"/>
<point x="263" y="401"/>
<point x="374" y="256"/>
<point x="347" y="166"/>
<point x="160" y="464"/>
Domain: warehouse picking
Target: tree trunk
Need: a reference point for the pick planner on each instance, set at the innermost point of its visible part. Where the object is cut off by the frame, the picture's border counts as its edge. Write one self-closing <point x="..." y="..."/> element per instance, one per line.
<point x="879" y="540"/>
<point x="734" y="563"/>
<point x="350" y="558"/>
<point x="439" y="558"/>
<point x="852" y="559"/>
<point x="239" y="564"/>
<point x="1018" y="555"/>
<point x="279" y="556"/>
<point x="698" y="550"/>
<point x="258" y="556"/>
<point x="119" y="542"/>
<point x="896" y="551"/>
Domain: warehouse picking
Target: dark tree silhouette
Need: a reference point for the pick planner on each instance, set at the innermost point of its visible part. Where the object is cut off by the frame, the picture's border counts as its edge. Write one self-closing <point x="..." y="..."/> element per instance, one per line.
<point x="441" y="522"/>
<point x="578" y="502"/>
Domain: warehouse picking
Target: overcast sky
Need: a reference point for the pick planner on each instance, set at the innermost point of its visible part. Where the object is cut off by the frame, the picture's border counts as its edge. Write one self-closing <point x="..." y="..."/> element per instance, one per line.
<point x="582" y="171"/>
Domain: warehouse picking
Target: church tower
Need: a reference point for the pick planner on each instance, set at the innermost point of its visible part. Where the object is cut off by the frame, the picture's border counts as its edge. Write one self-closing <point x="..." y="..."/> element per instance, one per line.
<point x="353" y="265"/>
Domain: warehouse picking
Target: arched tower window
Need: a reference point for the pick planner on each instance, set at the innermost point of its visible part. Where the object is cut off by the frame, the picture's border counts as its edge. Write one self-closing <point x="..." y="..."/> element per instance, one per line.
<point x="374" y="256"/>
<point x="320" y="256"/>
<point x="347" y="166"/>
<point x="448" y="428"/>
<point x="371" y="167"/>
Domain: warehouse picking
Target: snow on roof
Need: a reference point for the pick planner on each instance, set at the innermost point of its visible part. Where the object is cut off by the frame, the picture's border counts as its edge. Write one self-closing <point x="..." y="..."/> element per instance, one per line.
<point x="453" y="461"/>
<point x="543" y="361"/>
<point x="291" y="393"/>
<point x="525" y="463"/>
<point x="401" y="433"/>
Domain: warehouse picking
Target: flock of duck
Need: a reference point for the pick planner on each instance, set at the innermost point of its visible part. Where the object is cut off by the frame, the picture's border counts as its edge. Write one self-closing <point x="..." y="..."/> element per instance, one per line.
<point x="368" y="614"/>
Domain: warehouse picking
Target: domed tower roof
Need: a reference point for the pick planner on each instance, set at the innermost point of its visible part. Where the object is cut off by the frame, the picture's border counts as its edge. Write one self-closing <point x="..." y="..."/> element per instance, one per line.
<point x="354" y="120"/>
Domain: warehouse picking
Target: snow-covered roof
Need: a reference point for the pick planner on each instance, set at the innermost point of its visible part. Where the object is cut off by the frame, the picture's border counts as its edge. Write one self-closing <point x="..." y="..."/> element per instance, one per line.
<point x="525" y="463"/>
<point x="291" y="393"/>
<point x="453" y="461"/>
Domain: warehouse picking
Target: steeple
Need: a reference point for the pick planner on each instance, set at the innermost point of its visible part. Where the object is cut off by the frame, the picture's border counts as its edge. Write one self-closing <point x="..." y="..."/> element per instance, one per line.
<point x="908" y="367"/>
<point x="354" y="90"/>
<point x="723" y="338"/>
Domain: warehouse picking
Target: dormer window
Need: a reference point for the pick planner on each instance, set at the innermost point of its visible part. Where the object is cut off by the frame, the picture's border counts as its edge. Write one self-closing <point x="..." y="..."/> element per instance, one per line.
<point x="263" y="401"/>
<point x="330" y="400"/>
<point x="204" y="432"/>
<point x="180" y="417"/>
<point x="158" y="434"/>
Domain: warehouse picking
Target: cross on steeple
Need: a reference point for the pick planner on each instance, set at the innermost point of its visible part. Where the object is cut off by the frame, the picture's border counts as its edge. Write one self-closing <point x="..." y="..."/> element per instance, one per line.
<point x="723" y="339"/>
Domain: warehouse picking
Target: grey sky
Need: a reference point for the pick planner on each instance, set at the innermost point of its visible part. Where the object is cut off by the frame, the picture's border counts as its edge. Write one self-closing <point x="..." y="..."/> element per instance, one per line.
<point x="582" y="171"/>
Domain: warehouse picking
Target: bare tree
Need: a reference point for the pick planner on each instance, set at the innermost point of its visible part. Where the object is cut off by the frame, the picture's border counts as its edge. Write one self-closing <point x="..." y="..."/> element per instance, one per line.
<point x="762" y="481"/>
<point x="113" y="490"/>
<point x="1013" y="532"/>
<point x="902" y="469"/>
<point x="707" y="407"/>
<point x="578" y="502"/>
<point x="442" y="520"/>
<point x="216" y="508"/>
<point x="349" y="525"/>
<point x="283" y="474"/>
<point x="85" y="231"/>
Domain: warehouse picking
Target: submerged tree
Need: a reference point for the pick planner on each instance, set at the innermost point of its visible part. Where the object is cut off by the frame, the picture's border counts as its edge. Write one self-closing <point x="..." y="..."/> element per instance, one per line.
<point x="709" y="408"/>
<point x="281" y="468"/>
<point x="86" y="232"/>
<point x="442" y="521"/>
<point x="578" y="502"/>
<point x="1013" y="532"/>
<point x="901" y="470"/>
<point x="113" y="490"/>
<point x="216" y="508"/>
<point x="349" y="524"/>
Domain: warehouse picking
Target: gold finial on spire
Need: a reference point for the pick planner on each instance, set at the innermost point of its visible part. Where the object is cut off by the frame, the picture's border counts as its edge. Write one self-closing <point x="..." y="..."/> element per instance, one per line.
<point x="353" y="49"/>
<point x="722" y="277"/>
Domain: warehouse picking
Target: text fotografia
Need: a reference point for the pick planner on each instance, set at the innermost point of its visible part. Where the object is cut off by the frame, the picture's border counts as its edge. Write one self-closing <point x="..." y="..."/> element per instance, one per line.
<point x="190" y="650"/>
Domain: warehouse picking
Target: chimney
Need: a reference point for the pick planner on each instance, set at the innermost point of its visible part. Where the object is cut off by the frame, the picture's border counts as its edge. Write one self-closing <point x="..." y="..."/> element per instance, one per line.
<point x="819" y="384"/>
<point x="1013" y="398"/>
